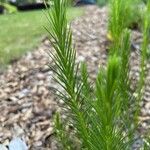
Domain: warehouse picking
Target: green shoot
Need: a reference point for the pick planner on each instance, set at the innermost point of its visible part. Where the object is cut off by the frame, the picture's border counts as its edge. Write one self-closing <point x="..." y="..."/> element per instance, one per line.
<point x="99" y="113"/>
<point x="117" y="19"/>
<point x="66" y="71"/>
<point x="143" y="59"/>
<point x="61" y="134"/>
<point x="123" y="14"/>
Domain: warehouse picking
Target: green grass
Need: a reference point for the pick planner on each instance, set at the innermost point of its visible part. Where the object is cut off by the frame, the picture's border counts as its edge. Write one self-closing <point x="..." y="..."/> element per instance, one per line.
<point x="23" y="31"/>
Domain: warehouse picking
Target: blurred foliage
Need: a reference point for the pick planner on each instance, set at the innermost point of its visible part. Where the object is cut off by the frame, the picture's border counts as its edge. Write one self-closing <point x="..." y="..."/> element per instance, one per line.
<point x="9" y="8"/>
<point x="145" y="1"/>
<point x="134" y="9"/>
<point x="135" y="14"/>
<point x="19" y="2"/>
<point x="102" y="2"/>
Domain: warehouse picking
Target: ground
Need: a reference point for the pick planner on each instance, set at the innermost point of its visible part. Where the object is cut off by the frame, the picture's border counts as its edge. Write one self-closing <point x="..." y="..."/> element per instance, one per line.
<point x="27" y="101"/>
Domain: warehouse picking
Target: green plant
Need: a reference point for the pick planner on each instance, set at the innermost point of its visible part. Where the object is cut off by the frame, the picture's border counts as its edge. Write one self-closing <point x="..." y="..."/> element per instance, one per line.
<point x="62" y="135"/>
<point x="146" y="143"/>
<point x="102" y="2"/>
<point x="98" y="113"/>
<point x="118" y="15"/>
<point x="144" y="58"/>
<point x="3" y="1"/>
<point x="21" y="2"/>
<point x="117" y="28"/>
<point x="124" y="14"/>
<point x="135" y="14"/>
<point x="9" y="8"/>
<point x="145" y="1"/>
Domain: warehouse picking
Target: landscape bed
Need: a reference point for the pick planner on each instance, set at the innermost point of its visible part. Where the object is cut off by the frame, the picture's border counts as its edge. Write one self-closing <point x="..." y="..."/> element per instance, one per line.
<point x="27" y="87"/>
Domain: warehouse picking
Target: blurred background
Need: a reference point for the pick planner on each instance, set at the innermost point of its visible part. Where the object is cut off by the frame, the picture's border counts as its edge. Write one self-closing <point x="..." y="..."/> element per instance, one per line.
<point x="22" y="21"/>
<point x="22" y="26"/>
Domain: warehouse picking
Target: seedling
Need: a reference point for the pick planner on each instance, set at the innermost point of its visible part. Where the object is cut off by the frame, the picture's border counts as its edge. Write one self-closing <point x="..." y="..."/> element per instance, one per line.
<point x="99" y="113"/>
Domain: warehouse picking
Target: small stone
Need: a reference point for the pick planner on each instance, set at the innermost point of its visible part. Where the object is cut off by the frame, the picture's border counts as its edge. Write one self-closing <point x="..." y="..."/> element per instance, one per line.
<point x="81" y="58"/>
<point x="40" y="76"/>
<point x="23" y="93"/>
<point x="17" y="131"/>
<point x="38" y="143"/>
<point x="147" y="106"/>
<point x="6" y="142"/>
<point x="2" y="147"/>
<point x="17" y="144"/>
<point x="14" y="99"/>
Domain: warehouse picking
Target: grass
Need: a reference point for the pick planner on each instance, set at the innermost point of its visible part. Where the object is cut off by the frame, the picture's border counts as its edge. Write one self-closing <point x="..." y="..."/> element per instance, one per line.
<point x="23" y="31"/>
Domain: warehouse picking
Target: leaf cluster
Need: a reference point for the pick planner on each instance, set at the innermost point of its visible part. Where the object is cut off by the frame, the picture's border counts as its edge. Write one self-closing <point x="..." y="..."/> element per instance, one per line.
<point x="100" y="113"/>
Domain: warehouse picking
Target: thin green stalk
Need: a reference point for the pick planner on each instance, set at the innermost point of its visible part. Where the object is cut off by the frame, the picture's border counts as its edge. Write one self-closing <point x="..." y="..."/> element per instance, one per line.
<point x="144" y="51"/>
<point x="64" y="59"/>
<point x="61" y="133"/>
